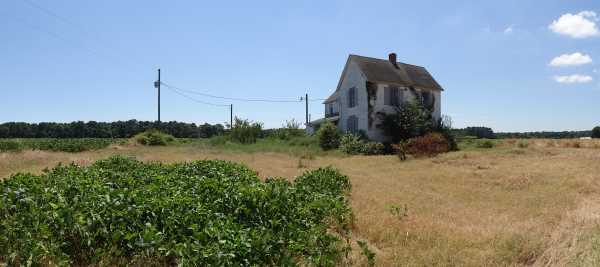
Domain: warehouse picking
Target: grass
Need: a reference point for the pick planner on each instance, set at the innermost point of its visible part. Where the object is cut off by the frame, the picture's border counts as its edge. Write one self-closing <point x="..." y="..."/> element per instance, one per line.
<point x="506" y="205"/>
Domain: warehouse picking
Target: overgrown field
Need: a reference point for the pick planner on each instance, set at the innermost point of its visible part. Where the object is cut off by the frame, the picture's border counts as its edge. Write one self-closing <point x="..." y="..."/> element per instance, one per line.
<point x="494" y="203"/>
<point x="123" y="211"/>
<point x="55" y="144"/>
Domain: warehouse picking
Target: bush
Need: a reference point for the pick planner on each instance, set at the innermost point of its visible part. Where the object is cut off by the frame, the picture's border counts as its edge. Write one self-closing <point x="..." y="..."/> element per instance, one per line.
<point x="596" y="132"/>
<point x="401" y="149"/>
<point x="351" y="144"/>
<point x="329" y="136"/>
<point x="122" y="211"/>
<point x="373" y="148"/>
<point x="429" y="145"/>
<point x="409" y="120"/>
<point x="245" y="131"/>
<point x="289" y="130"/>
<point x="154" y="138"/>
<point x="485" y="144"/>
<point x="10" y="145"/>
<point x="523" y="144"/>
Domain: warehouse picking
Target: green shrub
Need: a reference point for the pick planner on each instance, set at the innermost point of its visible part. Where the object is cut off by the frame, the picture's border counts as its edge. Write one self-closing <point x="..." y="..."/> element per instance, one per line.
<point x="485" y="144"/>
<point x="122" y="211"/>
<point x="373" y="148"/>
<point x="596" y="132"/>
<point x="245" y="131"/>
<point x="329" y="136"/>
<point x="411" y="119"/>
<point x="289" y="130"/>
<point x="10" y="145"/>
<point x="523" y="144"/>
<point x="429" y="145"/>
<point x="154" y="138"/>
<point x="351" y="144"/>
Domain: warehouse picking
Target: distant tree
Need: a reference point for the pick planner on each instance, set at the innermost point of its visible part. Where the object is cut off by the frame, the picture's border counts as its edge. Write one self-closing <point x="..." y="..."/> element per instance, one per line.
<point x="480" y="132"/>
<point x="596" y="132"/>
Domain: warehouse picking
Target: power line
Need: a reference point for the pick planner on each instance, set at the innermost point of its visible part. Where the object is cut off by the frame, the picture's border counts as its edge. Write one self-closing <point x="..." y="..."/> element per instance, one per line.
<point x="196" y="100"/>
<point x="234" y="98"/>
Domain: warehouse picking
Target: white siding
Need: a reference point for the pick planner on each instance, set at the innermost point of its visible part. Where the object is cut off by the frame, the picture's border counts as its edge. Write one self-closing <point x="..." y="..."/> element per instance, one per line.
<point x="353" y="78"/>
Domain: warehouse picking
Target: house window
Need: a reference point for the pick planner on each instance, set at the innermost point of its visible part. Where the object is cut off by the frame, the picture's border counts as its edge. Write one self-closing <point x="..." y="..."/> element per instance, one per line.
<point x="392" y="96"/>
<point x="352" y="124"/>
<point x="352" y="97"/>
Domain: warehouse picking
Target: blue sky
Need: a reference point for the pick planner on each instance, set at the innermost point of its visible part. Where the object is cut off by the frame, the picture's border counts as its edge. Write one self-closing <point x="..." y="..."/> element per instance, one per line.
<point x="511" y="65"/>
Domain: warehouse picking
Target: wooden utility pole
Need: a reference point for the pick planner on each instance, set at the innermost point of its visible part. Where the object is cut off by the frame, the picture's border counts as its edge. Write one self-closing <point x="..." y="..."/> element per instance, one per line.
<point x="306" y="100"/>
<point x="231" y="116"/>
<point x="158" y="87"/>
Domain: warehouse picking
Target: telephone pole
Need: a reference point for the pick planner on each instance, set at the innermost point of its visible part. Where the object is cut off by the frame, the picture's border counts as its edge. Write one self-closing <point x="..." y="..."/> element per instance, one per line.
<point x="231" y="116"/>
<point x="157" y="85"/>
<point x="306" y="100"/>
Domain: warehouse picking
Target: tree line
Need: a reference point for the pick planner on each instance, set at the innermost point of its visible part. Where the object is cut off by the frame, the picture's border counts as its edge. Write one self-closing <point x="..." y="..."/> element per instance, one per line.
<point x="117" y="129"/>
<point x="486" y="132"/>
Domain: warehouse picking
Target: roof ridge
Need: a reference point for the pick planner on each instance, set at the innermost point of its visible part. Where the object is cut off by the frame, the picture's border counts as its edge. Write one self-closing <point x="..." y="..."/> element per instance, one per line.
<point x="353" y="55"/>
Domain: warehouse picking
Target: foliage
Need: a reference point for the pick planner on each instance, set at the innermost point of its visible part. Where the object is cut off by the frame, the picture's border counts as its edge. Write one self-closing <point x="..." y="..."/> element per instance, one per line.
<point x="245" y="131"/>
<point x="546" y="135"/>
<point x="289" y="130"/>
<point x="401" y="149"/>
<point x="351" y="144"/>
<point x="329" y="136"/>
<point x="53" y="144"/>
<point x="370" y="255"/>
<point x="523" y="144"/>
<point x="154" y="137"/>
<point x="10" y="145"/>
<point x="121" y="211"/>
<point x="117" y="129"/>
<point x="596" y="132"/>
<point x="486" y="144"/>
<point x="354" y="144"/>
<point x="409" y="120"/>
<point x="428" y="145"/>
<point x="479" y="132"/>
<point x="444" y="127"/>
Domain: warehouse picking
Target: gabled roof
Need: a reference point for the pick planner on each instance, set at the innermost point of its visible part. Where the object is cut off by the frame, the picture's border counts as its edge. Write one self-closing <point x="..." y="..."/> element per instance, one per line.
<point x="383" y="71"/>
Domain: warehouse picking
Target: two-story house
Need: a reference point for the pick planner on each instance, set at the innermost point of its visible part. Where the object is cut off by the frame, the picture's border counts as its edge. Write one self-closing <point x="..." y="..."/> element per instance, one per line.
<point x="368" y="86"/>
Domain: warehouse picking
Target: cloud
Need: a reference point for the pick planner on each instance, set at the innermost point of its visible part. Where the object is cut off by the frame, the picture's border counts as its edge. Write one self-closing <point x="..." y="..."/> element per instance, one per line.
<point x="580" y="25"/>
<point x="575" y="78"/>
<point x="509" y="30"/>
<point x="574" y="59"/>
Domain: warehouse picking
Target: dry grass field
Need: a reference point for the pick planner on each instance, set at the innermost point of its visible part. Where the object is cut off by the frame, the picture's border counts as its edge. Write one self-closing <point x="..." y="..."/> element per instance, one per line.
<point x="520" y="203"/>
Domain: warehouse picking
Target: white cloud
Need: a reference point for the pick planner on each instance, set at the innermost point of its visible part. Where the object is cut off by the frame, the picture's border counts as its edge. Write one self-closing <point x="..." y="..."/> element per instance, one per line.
<point x="575" y="78"/>
<point x="580" y="25"/>
<point x="574" y="59"/>
<point x="509" y="30"/>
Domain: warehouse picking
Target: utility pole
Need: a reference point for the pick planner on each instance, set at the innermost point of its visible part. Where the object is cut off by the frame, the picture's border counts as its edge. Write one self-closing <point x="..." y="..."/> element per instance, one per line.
<point x="306" y="100"/>
<point x="157" y="85"/>
<point x="231" y="116"/>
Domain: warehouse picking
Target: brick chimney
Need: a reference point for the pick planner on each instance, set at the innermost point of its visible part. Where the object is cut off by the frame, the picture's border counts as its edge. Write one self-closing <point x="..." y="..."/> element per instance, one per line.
<point x="392" y="59"/>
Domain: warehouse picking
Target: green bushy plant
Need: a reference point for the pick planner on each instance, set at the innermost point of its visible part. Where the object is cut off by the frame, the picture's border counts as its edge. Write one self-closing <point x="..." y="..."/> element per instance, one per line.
<point x="485" y="144"/>
<point x="289" y="130"/>
<point x="373" y="148"/>
<point x="329" y="136"/>
<point x="121" y="211"/>
<point x="245" y="131"/>
<point x="154" y="138"/>
<point x="351" y="144"/>
<point x="10" y="145"/>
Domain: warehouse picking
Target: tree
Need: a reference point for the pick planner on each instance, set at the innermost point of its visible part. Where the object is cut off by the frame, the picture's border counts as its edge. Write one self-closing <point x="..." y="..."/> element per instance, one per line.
<point x="596" y="132"/>
<point x="411" y="119"/>
<point x="329" y="136"/>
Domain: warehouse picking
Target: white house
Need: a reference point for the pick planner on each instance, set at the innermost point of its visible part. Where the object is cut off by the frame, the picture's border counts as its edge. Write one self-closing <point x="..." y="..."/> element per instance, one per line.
<point x="370" y="85"/>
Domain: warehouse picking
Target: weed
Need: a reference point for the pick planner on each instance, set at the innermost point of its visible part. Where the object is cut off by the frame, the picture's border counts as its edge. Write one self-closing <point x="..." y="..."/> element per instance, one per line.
<point x="370" y="255"/>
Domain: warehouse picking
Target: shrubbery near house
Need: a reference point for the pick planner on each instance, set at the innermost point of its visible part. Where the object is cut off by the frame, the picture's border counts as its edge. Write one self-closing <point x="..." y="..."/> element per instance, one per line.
<point x="154" y="137"/>
<point x="329" y="136"/>
<point x="353" y="145"/>
<point x="121" y="211"/>
<point x="428" y="145"/>
<point x="245" y="131"/>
